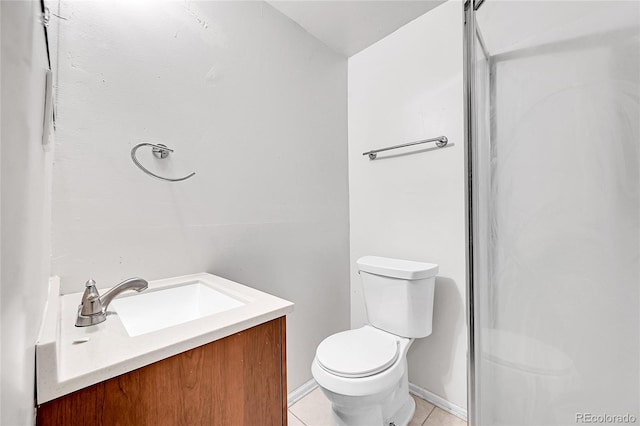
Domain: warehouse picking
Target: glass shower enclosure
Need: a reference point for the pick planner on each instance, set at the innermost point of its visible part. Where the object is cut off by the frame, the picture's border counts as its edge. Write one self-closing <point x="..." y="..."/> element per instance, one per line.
<point x="553" y="185"/>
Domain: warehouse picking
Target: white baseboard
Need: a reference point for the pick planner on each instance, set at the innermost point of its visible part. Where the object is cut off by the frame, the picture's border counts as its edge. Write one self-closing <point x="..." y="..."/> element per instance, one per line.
<point x="300" y="392"/>
<point x="438" y="401"/>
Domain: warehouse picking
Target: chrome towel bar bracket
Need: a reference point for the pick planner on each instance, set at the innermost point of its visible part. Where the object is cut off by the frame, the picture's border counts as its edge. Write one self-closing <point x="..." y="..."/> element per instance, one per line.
<point x="160" y="152"/>
<point x="440" y="142"/>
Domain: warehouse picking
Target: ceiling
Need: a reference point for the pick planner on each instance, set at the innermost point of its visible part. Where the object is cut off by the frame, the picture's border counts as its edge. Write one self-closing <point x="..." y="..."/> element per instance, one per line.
<point x="348" y="26"/>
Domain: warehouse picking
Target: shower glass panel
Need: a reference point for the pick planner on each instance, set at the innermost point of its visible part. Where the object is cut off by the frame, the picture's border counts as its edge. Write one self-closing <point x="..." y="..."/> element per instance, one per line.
<point x="553" y="127"/>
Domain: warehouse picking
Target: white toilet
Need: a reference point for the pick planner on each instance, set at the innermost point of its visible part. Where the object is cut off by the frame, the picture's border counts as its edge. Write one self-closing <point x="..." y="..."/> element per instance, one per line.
<point x="363" y="372"/>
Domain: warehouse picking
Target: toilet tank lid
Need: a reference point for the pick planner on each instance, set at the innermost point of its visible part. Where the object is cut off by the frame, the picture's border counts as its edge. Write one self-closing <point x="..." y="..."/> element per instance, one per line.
<point x="397" y="268"/>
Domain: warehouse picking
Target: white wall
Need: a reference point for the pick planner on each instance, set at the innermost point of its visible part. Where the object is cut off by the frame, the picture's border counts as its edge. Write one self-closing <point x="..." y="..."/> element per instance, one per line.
<point x="250" y="102"/>
<point x="25" y="212"/>
<point x="406" y="87"/>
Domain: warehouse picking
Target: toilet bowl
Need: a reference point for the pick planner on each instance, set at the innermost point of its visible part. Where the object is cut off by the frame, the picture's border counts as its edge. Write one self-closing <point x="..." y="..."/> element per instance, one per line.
<point x="363" y="372"/>
<point x="365" y="379"/>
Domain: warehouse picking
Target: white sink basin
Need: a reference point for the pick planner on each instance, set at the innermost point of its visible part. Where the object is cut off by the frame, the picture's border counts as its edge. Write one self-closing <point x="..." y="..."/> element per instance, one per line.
<point x="154" y="310"/>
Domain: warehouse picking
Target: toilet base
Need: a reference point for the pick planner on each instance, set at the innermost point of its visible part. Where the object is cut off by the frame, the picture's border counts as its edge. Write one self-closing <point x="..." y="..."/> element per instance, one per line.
<point x="391" y="407"/>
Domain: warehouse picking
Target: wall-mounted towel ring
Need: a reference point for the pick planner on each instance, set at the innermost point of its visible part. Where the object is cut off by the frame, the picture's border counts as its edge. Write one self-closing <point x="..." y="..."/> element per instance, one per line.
<point x="159" y="151"/>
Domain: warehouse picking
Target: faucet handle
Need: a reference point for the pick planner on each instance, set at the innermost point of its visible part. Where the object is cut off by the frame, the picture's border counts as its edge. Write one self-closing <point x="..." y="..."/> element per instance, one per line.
<point x="90" y="299"/>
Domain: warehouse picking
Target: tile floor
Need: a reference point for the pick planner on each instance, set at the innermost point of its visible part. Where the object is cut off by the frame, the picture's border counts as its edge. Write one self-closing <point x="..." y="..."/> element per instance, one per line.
<point x="315" y="410"/>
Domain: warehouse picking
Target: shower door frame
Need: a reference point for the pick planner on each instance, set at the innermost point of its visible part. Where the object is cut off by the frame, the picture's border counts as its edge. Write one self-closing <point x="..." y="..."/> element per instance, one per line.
<point x="471" y="191"/>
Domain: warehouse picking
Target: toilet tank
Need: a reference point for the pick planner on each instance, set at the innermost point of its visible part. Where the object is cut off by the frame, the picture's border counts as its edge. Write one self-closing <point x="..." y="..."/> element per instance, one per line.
<point x="398" y="294"/>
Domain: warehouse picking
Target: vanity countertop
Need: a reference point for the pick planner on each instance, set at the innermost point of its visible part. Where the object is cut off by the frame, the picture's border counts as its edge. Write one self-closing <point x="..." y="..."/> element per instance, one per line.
<point x="69" y="358"/>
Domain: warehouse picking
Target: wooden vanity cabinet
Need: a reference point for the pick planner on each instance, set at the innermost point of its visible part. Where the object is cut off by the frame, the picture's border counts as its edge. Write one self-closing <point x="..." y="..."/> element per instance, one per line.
<point x="238" y="380"/>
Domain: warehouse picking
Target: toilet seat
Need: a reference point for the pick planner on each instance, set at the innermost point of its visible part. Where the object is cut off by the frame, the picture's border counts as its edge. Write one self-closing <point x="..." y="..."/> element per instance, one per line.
<point x="357" y="353"/>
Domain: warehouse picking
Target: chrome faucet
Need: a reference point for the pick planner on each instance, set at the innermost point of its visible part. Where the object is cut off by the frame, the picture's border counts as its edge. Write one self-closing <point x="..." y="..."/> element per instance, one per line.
<point x="93" y="308"/>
